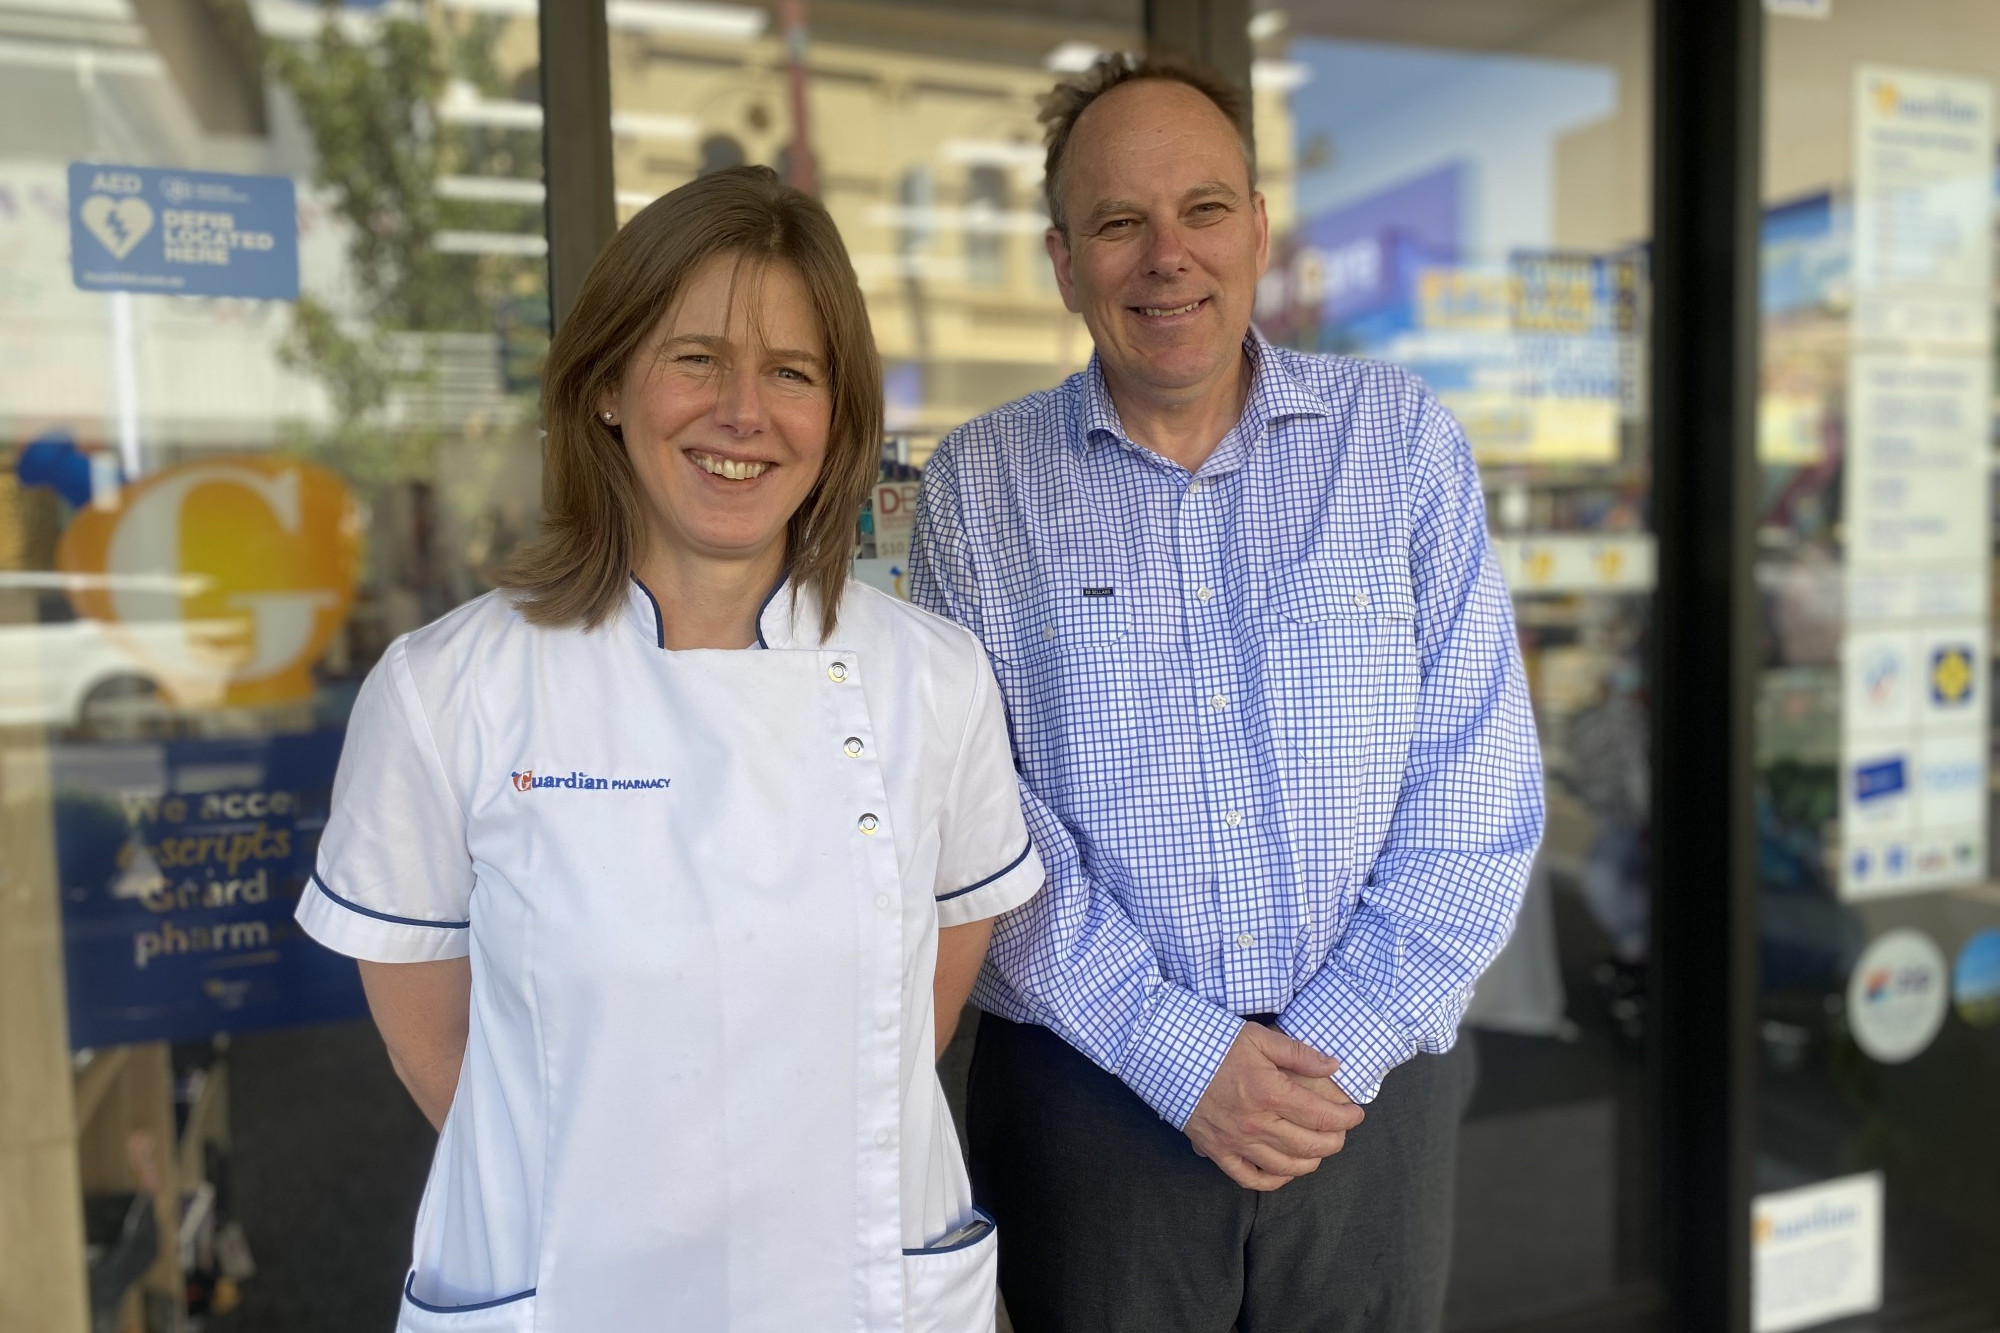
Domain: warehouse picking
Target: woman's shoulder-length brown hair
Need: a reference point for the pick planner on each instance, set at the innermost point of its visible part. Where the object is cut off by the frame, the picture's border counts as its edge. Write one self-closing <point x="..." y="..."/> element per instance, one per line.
<point x="578" y="571"/>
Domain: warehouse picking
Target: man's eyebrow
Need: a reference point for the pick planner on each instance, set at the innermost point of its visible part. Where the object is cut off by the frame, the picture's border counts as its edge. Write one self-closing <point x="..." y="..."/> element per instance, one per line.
<point x="1206" y="190"/>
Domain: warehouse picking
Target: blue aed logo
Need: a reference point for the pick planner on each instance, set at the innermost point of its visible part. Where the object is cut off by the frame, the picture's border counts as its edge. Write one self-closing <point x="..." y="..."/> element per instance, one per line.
<point x="1952" y="675"/>
<point x="528" y="780"/>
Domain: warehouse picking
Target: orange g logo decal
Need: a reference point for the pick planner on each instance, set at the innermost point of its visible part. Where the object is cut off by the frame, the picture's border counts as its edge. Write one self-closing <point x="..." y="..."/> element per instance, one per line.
<point x="524" y="781"/>
<point x="259" y="556"/>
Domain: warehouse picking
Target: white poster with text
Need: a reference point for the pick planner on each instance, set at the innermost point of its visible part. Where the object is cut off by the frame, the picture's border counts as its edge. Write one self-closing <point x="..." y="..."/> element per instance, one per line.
<point x="1915" y="659"/>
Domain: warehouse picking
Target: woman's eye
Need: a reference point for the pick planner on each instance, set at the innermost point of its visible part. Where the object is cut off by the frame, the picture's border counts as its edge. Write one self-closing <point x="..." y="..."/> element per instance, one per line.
<point x="695" y="359"/>
<point x="790" y="373"/>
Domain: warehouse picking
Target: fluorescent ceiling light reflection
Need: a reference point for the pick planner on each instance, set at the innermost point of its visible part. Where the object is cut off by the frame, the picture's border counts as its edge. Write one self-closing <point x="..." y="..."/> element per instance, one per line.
<point x="491" y="189"/>
<point x="1268" y="24"/>
<point x="653" y="125"/>
<point x="1071" y="58"/>
<point x="522" y="9"/>
<point x="1279" y="76"/>
<point x="994" y="153"/>
<point x="462" y="104"/>
<point x="489" y="243"/>
<point x="687" y="18"/>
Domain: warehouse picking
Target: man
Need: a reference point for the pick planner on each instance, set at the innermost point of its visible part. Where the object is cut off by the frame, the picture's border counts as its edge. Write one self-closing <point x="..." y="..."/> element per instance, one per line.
<point x="1276" y="754"/>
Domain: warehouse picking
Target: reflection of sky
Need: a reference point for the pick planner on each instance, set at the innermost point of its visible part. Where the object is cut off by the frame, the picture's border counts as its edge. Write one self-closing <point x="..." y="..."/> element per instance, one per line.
<point x="1978" y="972"/>
<point x="1391" y="112"/>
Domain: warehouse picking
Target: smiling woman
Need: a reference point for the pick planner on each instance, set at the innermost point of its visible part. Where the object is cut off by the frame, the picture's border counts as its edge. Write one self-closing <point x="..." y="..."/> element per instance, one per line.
<point x="713" y="401"/>
<point x="659" y="878"/>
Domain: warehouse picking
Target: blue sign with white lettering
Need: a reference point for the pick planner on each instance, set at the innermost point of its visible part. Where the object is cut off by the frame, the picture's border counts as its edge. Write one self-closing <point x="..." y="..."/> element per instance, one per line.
<point x="1884" y="777"/>
<point x="183" y="233"/>
<point x="181" y="863"/>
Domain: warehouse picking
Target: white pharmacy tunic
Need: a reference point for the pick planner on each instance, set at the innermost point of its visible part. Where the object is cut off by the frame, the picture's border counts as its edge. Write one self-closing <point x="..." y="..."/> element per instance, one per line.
<point x="701" y="894"/>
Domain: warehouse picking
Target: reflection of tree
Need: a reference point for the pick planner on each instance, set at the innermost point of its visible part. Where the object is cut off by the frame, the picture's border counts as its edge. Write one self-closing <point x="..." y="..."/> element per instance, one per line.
<point x="370" y="104"/>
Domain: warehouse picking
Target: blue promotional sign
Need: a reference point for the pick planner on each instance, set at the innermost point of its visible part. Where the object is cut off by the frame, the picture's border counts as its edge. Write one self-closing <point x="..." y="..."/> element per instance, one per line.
<point x="183" y="233"/>
<point x="1884" y="777"/>
<point x="180" y="864"/>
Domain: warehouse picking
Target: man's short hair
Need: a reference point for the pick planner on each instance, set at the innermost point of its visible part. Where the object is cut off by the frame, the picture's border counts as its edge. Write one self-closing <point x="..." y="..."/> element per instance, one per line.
<point x="1072" y="97"/>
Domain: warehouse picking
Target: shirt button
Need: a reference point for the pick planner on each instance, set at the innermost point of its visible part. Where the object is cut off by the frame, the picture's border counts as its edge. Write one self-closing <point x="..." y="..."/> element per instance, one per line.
<point x="1233" y="818"/>
<point x="1361" y="599"/>
<point x="1197" y="485"/>
<point x="837" y="672"/>
<point x="1048" y="632"/>
<point x="853" y="746"/>
<point x="1204" y="593"/>
<point x="868" y="823"/>
<point x="1245" y="940"/>
<point x="886" y="1021"/>
<point x="1218" y="702"/>
<point x="883" y="1138"/>
<point x="882" y="901"/>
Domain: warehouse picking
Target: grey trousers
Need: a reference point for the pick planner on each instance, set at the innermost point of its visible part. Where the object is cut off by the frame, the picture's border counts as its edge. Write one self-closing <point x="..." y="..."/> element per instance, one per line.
<point x="1110" y="1222"/>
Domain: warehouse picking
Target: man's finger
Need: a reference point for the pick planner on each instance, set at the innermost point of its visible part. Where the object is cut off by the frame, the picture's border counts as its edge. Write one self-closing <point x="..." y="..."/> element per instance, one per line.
<point x="1249" y="1175"/>
<point x="1309" y="1108"/>
<point x="1277" y="1162"/>
<point x="1290" y="1139"/>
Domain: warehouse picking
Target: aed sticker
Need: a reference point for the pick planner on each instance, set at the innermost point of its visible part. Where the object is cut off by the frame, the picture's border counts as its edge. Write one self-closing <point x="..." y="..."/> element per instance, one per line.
<point x="1897" y="997"/>
<point x="1975" y="981"/>
<point x="1816" y="1253"/>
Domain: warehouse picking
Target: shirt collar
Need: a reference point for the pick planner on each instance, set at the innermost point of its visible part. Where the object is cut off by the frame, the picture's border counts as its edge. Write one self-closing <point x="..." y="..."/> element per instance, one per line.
<point x="777" y="620"/>
<point x="1275" y="394"/>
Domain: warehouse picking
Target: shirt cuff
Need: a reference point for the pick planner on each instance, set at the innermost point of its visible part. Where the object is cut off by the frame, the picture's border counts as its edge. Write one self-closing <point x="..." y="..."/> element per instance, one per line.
<point x="345" y="926"/>
<point x="1002" y="891"/>
<point x="1174" y="1052"/>
<point x="1333" y="1017"/>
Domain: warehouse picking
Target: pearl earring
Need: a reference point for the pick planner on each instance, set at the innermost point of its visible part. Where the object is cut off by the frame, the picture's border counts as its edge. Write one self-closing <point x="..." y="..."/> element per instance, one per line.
<point x="609" y="418"/>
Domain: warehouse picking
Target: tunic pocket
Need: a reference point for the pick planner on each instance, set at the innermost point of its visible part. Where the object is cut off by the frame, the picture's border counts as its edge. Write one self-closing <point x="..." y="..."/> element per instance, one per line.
<point x="953" y="1288"/>
<point x="507" y="1314"/>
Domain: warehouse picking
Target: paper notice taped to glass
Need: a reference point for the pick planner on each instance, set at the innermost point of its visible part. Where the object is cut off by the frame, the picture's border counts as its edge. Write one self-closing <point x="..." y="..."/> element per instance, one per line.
<point x="1816" y="1253"/>
<point x="1914" y="662"/>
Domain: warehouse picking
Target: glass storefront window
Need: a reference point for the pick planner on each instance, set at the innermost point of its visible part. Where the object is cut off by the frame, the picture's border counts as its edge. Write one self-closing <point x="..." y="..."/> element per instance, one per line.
<point x="1469" y="199"/>
<point x="1879" y="930"/>
<point x="272" y="313"/>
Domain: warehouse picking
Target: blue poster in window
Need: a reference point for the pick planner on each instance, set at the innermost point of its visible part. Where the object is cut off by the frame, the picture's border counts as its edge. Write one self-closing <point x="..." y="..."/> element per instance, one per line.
<point x="180" y="864"/>
<point x="183" y="233"/>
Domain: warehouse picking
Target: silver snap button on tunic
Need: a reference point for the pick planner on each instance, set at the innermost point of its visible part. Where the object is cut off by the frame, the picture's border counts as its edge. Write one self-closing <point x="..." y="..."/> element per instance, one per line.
<point x="853" y="747"/>
<point x="868" y="823"/>
<point x="837" y="672"/>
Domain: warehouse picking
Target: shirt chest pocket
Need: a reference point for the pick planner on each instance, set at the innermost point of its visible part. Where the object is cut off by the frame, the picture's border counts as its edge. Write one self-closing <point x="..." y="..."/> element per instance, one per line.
<point x="1075" y="689"/>
<point x="1341" y="677"/>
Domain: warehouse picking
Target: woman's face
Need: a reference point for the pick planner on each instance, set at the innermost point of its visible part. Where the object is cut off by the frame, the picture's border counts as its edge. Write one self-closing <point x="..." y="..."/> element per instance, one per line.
<point x="726" y="410"/>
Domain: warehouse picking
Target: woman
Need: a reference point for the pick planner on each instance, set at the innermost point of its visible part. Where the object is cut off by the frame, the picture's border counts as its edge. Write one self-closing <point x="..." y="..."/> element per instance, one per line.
<point x="661" y="862"/>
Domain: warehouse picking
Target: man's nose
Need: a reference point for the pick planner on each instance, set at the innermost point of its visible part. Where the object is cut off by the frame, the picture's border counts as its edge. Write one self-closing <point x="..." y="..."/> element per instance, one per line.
<point x="1166" y="251"/>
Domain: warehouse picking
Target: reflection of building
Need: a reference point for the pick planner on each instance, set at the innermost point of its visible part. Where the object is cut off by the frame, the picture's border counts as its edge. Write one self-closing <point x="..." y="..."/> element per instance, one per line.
<point x="928" y="154"/>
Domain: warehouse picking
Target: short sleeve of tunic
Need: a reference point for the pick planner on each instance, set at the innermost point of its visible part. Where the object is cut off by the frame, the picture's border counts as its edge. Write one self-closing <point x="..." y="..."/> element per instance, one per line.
<point x="987" y="865"/>
<point x="393" y="881"/>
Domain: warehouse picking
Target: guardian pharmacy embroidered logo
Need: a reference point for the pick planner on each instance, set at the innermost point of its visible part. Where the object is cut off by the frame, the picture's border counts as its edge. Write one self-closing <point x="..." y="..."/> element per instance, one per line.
<point x="526" y="780"/>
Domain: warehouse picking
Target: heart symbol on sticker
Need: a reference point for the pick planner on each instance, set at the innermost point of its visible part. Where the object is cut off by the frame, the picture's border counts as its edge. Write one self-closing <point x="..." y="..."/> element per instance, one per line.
<point x="119" y="224"/>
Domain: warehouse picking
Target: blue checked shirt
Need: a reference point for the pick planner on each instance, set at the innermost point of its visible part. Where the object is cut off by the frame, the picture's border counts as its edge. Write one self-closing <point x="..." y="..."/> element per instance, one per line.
<point x="1273" y="735"/>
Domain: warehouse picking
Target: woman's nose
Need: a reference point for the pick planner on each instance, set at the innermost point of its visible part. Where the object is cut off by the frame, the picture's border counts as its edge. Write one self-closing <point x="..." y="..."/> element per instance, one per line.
<point x="739" y="404"/>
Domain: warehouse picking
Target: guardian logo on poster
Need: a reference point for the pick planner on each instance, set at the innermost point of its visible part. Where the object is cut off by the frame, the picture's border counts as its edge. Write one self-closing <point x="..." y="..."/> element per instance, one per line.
<point x="1939" y="107"/>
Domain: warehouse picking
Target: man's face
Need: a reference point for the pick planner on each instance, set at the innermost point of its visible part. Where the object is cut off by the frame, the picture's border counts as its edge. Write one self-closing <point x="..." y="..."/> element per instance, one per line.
<point x="1166" y="240"/>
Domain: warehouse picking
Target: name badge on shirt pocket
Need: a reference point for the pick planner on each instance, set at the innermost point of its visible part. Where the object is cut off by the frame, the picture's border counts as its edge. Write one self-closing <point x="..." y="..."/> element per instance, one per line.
<point x="1087" y="613"/>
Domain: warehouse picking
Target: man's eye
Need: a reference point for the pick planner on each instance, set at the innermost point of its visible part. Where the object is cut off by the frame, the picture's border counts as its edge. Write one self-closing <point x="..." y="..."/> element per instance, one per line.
<point x="1116" y="224"/>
